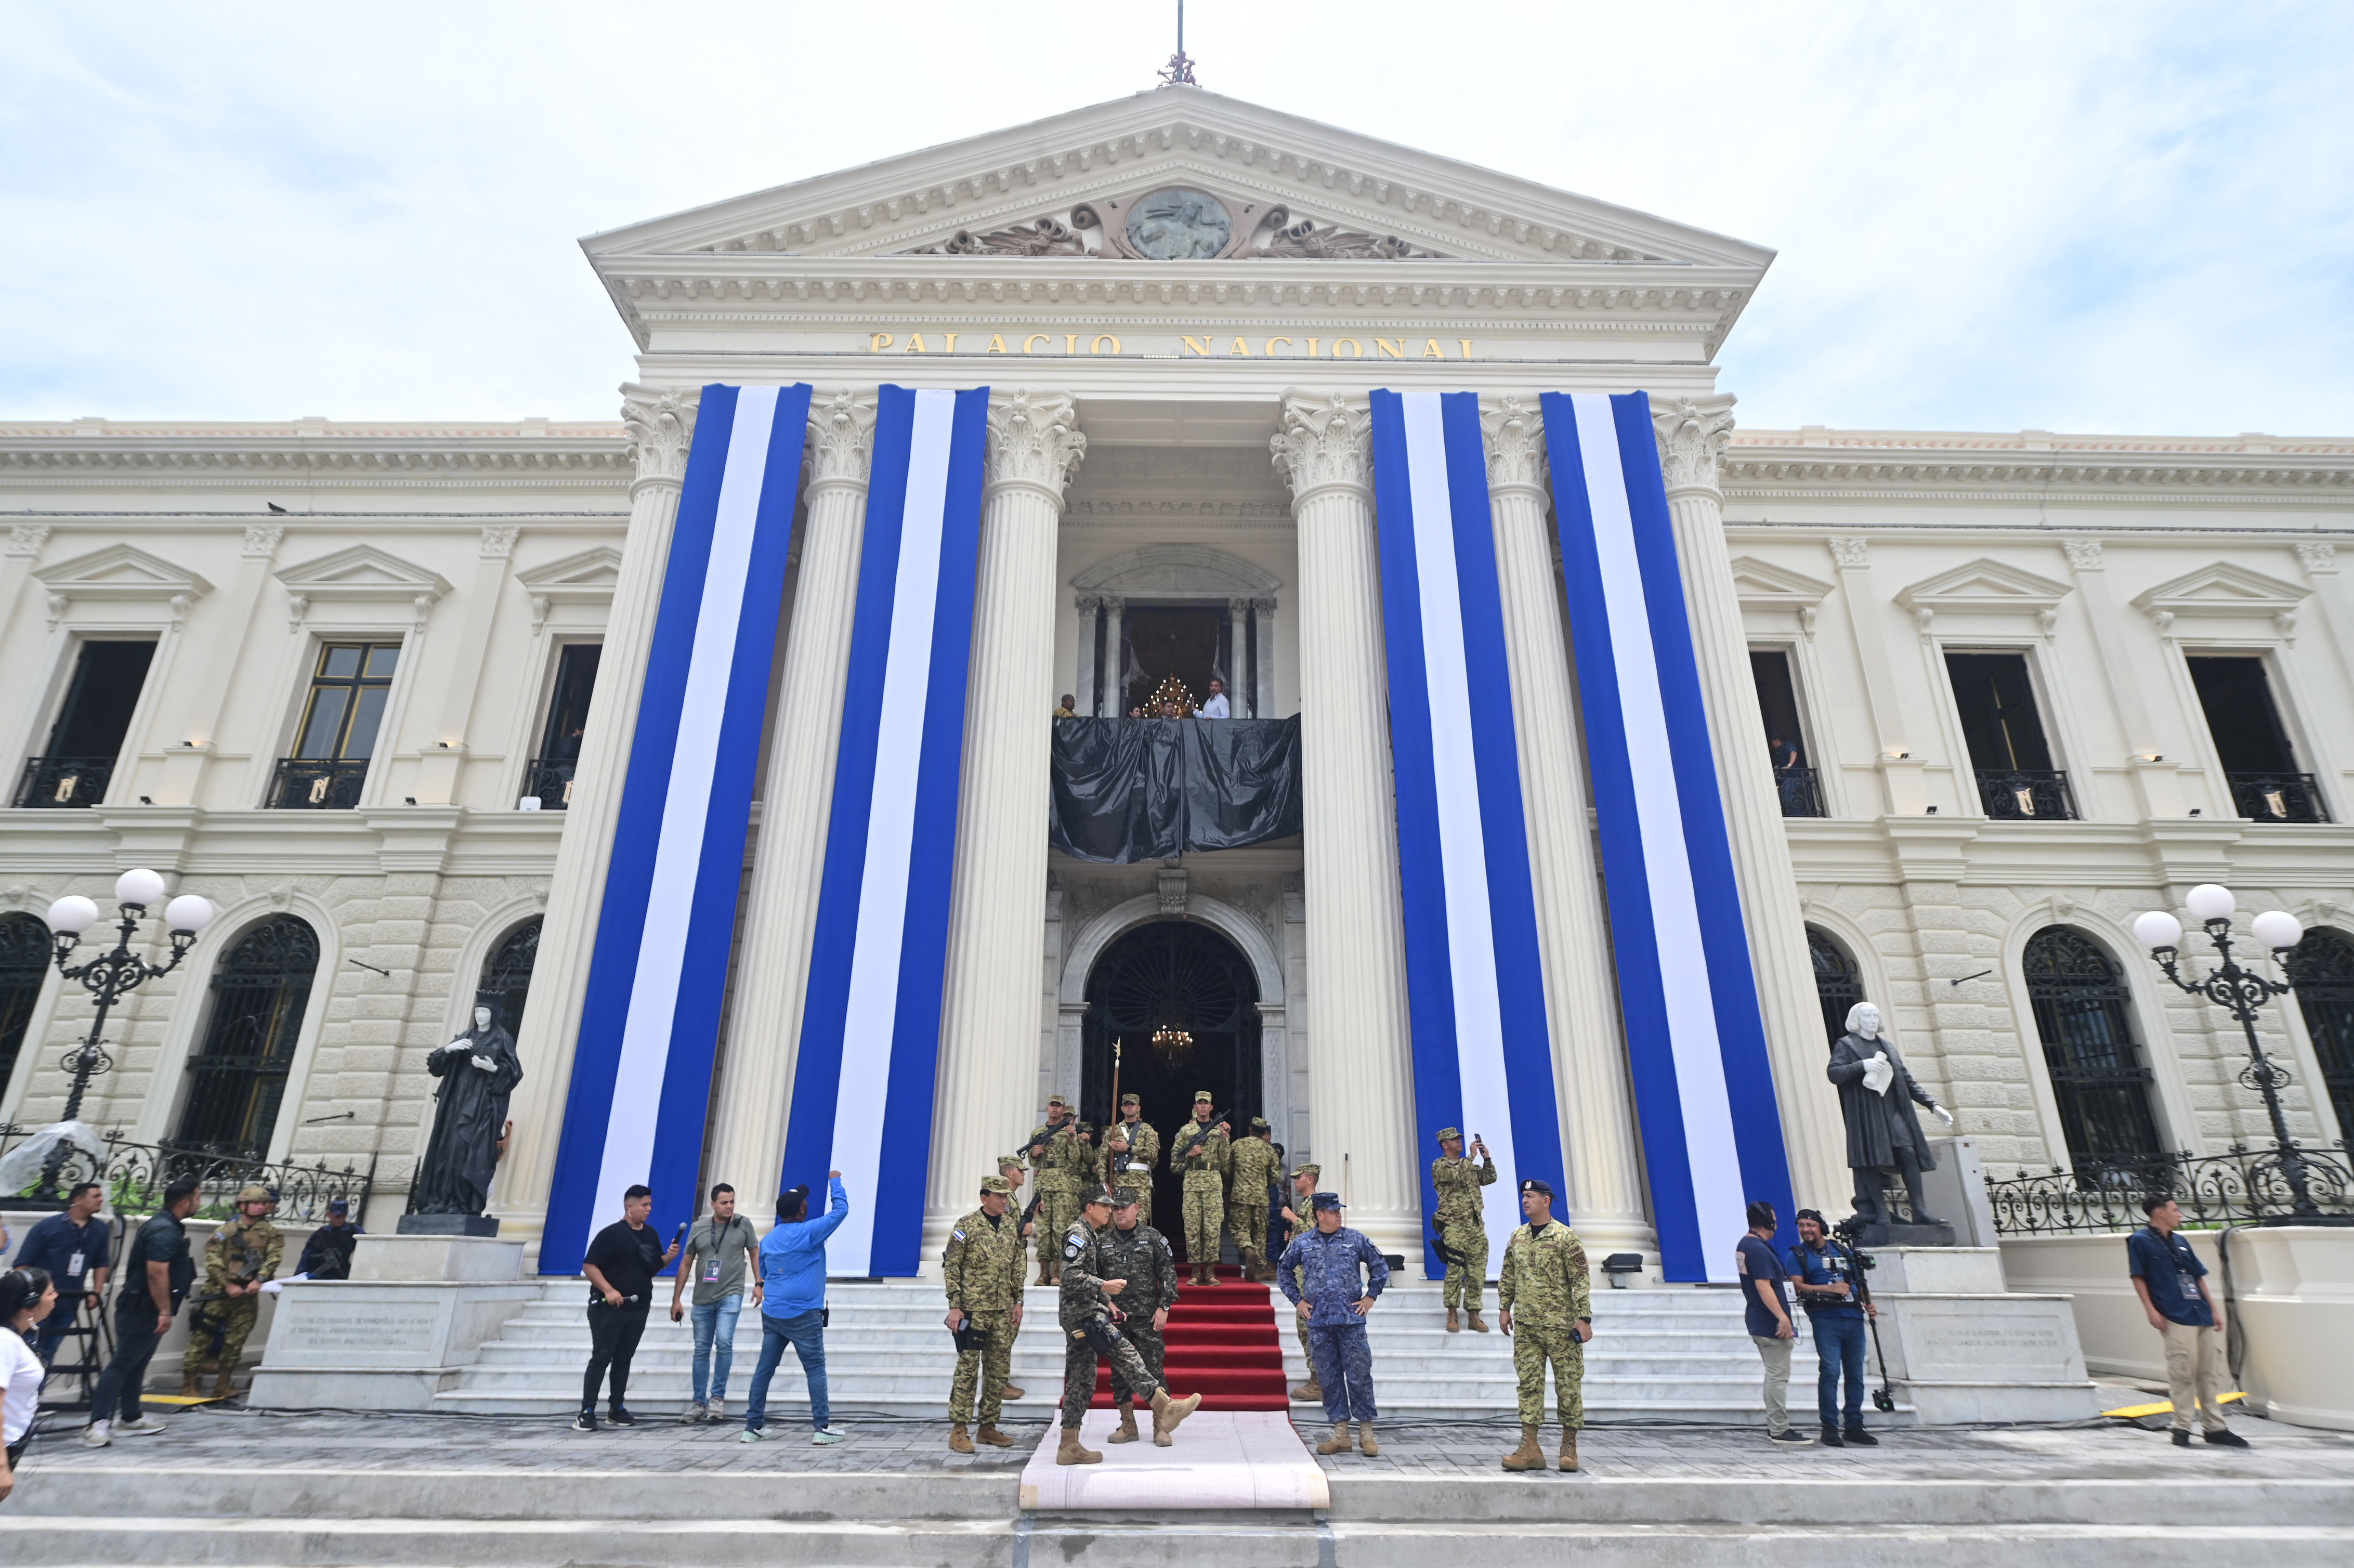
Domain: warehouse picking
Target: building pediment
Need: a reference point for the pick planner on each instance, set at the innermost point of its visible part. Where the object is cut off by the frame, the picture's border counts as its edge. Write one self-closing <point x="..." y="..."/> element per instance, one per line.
<point x="121" y="572"/>
<point x="2222" y="590"/>
<point x="360" y="573"/>
<point x="1767" y="585"/>
<point x="588" y="578"/>
<point x="1984" y="587"/>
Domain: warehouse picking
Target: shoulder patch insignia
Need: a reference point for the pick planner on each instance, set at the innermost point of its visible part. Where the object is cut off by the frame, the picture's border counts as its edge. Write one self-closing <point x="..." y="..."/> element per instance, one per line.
<point x="958" y="1235"/>
<point x="1072" y="1247"/>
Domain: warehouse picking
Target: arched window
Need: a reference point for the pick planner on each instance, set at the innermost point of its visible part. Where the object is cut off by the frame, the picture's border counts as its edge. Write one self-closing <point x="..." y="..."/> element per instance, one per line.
<point x="2323" y="969"/>
<point x="2081" y="998"/>
<point x="23" y="965"/>
<point x="505" y="984"/>
<point x="238" y="1075"/>
<point x="1838" y="985"/>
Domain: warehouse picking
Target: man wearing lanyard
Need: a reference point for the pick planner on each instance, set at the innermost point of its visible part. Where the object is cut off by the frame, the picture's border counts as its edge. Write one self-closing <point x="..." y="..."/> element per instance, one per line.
<point x="1838" y="1303"/>
<point x="2172" y="1285"/>
<point x="72" y="1245"/>
<point x="717" y="1256"/>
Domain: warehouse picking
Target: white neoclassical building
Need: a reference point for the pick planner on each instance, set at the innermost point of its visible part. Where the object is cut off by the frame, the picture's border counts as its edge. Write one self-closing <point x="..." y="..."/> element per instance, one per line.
<point x="1972" y="700"/>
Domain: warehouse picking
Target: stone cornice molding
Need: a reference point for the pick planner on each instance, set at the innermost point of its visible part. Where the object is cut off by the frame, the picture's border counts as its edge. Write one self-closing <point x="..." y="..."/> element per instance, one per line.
<point x="1324" y="442"/>
<point x="1514" y="436"/>
<point x="661" y="426"/>
<point x="840" y="440"/>
<point x="1692" y="437"/>
<point x="1032" y="442"/>
<point x="316" y="454"/>
<point x="2035" y="466"/>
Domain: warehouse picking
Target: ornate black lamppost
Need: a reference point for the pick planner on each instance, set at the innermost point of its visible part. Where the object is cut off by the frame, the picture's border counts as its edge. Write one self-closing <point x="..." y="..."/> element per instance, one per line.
<point x="2239" y="992"/>
<point x="110" y="977"/>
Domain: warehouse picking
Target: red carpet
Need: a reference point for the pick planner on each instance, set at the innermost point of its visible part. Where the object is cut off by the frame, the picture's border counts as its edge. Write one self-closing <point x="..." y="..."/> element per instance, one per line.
<point x="1223" y="1345"/>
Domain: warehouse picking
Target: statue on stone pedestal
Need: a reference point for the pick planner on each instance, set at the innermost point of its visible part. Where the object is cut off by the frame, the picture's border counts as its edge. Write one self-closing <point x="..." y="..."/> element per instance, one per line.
<point x="1877" y="1095"/>
<point x="478" y="1071"/>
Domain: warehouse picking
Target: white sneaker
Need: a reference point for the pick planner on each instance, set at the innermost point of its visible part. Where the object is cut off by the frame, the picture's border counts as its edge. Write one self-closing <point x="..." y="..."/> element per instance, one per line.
<point x="94" y="1435"/>
<point x="825" y="1434"/>
<point x="715" y="1410"/>
<point x="145" y="1426"/>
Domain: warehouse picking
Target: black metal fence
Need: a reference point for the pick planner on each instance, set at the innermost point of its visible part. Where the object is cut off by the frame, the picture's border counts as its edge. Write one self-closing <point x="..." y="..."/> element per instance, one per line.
<point x="2027" y="794"/>
<point x="2106" y="1193"/>
<point x="2277" y="797"/>
<point x="301" y="785"/>
<point x="136" y="1174"/>
<point x="64" y="781"/>
<point x="1801" y="790"/>
<point x="550" y="778"/>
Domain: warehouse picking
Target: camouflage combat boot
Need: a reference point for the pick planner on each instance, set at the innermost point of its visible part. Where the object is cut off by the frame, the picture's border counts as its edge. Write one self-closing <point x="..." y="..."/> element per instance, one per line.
<point x="1528" y="1456"/>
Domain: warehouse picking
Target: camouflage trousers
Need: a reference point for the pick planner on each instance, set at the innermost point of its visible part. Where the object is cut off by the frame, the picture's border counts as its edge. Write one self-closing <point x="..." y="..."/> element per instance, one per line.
<point x="1464" y="1279"/>
<point x="1344" y="1366"/>
<point x="1247" y="1221"/>
<point x="1128" y="1372"/>
<point x="1056" y="1212"/>
<point x="232" y="1321"/>
<point x="1151" y="1347"/>
<point x="1205" y="1206"/>
<point x="1534" y="1345"/>
<point x="984" y="1370"/>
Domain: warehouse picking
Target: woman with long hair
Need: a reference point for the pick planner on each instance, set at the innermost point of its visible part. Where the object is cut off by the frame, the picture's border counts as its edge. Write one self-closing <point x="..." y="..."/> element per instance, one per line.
<point x="27" y="1295"/>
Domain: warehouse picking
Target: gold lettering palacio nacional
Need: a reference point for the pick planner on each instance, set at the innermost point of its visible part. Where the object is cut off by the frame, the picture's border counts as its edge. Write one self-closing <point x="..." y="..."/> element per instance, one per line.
<point x="1976" y="699"/>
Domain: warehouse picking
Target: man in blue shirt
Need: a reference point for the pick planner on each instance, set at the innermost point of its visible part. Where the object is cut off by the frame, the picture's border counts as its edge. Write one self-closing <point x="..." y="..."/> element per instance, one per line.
<point x="2172" y="1285"/>
<point x="73" y="1247"/>
<point x="793" y="1306"/>
<point x="1766" y="1310"/>
<point x="1344" y="1275"/>
<point x="1831" y="1289"/>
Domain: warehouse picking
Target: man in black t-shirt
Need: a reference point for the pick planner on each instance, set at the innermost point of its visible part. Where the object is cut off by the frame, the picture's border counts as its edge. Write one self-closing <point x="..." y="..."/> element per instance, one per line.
<point x="620" y="1265"/>
<point x="156" y="1274"/>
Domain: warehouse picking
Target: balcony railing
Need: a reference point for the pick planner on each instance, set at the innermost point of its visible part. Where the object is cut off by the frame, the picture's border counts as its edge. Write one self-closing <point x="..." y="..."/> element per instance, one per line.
<point x="2106" y="1191"/>
<point x="1801" y="790"/>
<point x="302" y="785"/>
<point x="2277" y="797"/>
<point x="55" y="781"/>
<point x="2040" y="795"/>
<point x="136" y="1174"/>
<point x="550" y="780"/>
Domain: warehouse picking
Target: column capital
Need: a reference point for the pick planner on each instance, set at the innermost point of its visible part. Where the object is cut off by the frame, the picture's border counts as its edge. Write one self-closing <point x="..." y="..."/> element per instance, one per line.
<point x="1692" y="436"/>
<point x="1324" y="442"/>
<point x="1087" y="603"/>
<point x="1033" y="442"/>
<point x="262" y="541"/>
<point x="1514" y="436"/>
<point x="841" y="440"/>
<point x="2083" y="554"/>
<point x="2319" y="558"/>
<point x="1850" y="553"/>
<point x="498" y="542"/>
<point x="26" y="539"/>
<point x="661" y="430"/>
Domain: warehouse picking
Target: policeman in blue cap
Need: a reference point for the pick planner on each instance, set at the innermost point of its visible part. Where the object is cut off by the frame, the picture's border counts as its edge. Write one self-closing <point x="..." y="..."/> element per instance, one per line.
<point x="1344" y="1275"/>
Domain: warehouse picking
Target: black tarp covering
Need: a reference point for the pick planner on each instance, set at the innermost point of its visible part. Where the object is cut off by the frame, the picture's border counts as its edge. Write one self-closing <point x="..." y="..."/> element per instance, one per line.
<point x="1131" y="790"/>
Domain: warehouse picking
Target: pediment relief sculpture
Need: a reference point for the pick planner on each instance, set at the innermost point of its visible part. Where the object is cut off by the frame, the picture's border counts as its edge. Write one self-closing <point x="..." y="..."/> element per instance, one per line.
<point x="1176" y="223"/>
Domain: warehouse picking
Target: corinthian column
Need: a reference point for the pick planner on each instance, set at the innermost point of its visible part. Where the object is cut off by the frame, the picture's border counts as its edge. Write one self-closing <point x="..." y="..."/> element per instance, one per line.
<point x="1361" y="1105"/>
<point x="994" y="1008"/>
<point x="796" y="807"/>
<point x="1692" y="437"/>
<point x="1605" y="1190"/>
<point x="661" y="426"/>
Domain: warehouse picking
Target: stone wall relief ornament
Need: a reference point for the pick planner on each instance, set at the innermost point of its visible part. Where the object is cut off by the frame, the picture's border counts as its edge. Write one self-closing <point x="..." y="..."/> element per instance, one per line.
<point x="1305" y="240"/>
<point x="1045" y="238"/>
<point x="1175" y="223"/>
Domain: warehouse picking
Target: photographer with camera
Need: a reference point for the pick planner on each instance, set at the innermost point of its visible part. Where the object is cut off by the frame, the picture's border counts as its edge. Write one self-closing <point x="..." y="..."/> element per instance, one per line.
<point x="1830" y="1280"/>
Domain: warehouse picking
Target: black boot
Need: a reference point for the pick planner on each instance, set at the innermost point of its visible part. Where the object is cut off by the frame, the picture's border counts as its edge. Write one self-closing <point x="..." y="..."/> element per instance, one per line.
<point x="1857" y="1438"/>
<point x="1831" y="1438"/>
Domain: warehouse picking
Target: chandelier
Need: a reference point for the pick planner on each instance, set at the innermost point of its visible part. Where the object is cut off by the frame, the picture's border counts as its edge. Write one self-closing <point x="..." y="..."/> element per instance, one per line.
<point x="1172" y="1044"/>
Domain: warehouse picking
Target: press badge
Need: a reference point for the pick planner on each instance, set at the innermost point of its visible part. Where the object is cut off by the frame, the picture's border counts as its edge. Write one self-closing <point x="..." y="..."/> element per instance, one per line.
<point x="73" y="1266"/>
<point x="711" y="1269"/>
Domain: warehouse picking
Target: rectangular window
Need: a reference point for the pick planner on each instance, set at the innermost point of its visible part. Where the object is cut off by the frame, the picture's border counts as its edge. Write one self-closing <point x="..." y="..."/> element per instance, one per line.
<point x="2236" y="694"/>
<point x="77" y="759"/>
<point x="567" y="720"/>
<point x="349" y="688"/>
<point x="2004" y="731"/>
<point x="1795" y="778"/>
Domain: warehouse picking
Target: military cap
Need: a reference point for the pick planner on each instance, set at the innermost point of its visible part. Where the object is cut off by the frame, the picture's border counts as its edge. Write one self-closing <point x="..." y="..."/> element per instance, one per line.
<point x="1258" y="1124"/>
<point x="1125" y="1198"/>
<point x="1325" y="1201"/>
<point x="1446" y="1132"/>
<point x="1054" y="1100"/>
<point x="1533" y="1185"/>
<point x="1204" y="1097"/>
<point x="995" y="1184"/>
<point x="1131" y="1100"/>
<point x="1095" y="1195"/>
<point x="339" y="1205"/>
<point x="1311" y="1171"/>
<point x="257" y="1194"/>
<point x="1014" y="1161"/>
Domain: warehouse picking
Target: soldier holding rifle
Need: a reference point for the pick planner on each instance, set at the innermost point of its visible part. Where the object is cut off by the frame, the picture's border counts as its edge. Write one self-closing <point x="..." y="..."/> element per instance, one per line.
<point x="1199" y="1152"/>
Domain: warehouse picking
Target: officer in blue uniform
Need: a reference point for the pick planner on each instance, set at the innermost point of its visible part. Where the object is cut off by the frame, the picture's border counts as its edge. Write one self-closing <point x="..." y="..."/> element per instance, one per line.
<point x="1344" y="1275"/>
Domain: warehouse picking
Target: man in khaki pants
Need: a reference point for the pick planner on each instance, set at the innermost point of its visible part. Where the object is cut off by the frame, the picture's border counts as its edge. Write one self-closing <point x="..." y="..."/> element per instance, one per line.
<point x="2172" y="1285"/>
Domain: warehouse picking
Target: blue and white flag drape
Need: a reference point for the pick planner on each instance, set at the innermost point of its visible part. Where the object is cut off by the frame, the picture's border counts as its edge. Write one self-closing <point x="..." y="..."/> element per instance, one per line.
<point x="871" y="1025"/>
<point x="1696" y="1042"/>
<point x="1482" y="1053"/>
<point x="649" y="1020"/>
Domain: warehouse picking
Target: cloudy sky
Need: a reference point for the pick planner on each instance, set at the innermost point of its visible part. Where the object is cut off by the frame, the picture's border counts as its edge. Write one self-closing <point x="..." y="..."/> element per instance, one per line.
<point x="2071" y="215"/>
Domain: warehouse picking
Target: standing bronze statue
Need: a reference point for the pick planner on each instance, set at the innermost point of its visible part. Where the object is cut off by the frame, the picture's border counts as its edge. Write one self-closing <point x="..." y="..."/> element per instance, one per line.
<point x="1877" y="1095"/>
<point x="478" y="1071"/>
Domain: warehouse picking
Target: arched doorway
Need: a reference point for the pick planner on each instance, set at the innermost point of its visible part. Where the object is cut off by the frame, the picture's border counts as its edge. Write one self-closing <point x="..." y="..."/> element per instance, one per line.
<point x="2323" y="969"/>
<point x="238" y="1075"/>
<point x="2098" y="1080"/>
<point x="506" y="983"/>
<point x="1187" y="985"/>
<point x="1838" y="985"/>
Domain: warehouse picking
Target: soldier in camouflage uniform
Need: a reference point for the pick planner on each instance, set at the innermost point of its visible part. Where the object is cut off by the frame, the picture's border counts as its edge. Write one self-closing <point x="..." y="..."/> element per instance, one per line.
<point x="982" y="1268"/>
<point x="241" y="1255"/>
<point x="1011" y="1167"/>
<point x="1548" y="1311"/>
<point x="1462" y="1227"/>
<point x="1140" y="1254"/>
<point x="1252" y="1166"/>
<point x="1140" y="1147"/>
<point x="1295" y="1214"/>
<point x="1063" y="1164"/>
<point x="1199" y="1152"/>
<point x="1091" y="1295"/>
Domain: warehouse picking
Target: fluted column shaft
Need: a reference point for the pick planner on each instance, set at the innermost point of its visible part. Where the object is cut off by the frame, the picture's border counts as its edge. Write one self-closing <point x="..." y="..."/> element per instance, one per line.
<point x="1606" y="1187"/>
<point x="1360" y="1103"/>
<point x="756" y="1081"/>
<point x="1691" y="439"/>
<point x="993" y="1009"/>
<point x="662" y="427"/>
